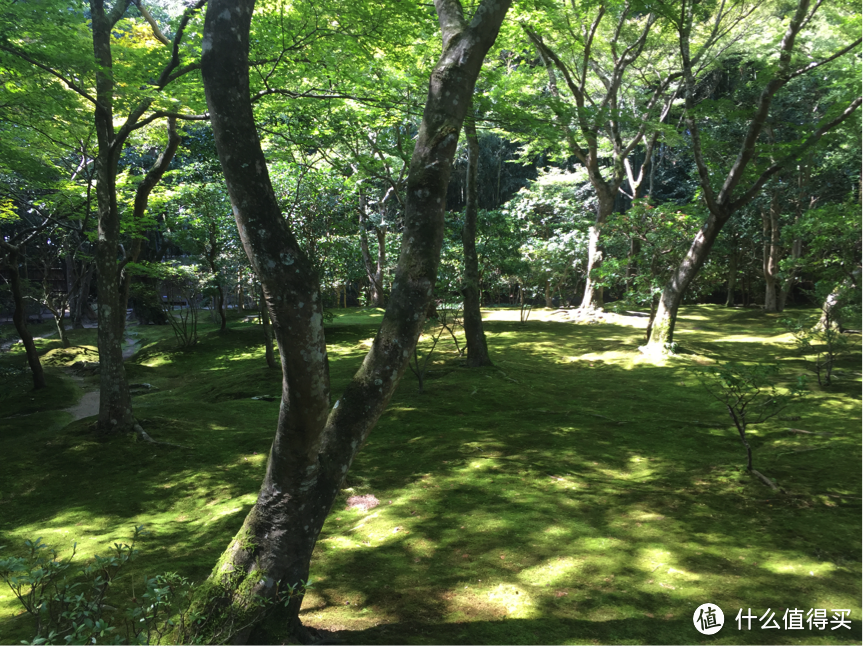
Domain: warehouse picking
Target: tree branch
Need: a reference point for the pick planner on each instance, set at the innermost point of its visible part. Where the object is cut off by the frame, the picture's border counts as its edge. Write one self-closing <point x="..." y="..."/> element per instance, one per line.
<point x="810" y="141"/>
<point x="153" y="24"/>
<point x="70" y="84"/>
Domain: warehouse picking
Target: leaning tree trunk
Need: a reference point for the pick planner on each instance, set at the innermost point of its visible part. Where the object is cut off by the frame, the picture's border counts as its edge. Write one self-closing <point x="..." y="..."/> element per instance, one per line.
<point x="662" y="332"/>
<point x="19" y="319"/>
<point x="142" y="198"/>
<point x="477" y="348"/>
<point x="314" y="444"/>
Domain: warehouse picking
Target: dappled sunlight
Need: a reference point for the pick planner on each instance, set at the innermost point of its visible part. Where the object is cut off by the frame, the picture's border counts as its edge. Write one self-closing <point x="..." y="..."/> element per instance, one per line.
<point x="573" y="486"/>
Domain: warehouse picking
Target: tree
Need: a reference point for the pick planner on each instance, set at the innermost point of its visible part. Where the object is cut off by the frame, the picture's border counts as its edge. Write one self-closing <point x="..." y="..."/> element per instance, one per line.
<point x="19" y="316"/>
<point x="738" y="187"/>
<point x="102" y="87"/>
<point x="477" y="348"/>
<point x="315" y="444"/>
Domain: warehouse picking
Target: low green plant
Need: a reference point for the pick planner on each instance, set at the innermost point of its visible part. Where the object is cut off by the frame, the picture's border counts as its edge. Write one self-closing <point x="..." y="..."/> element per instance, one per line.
<point x="750" y="396"/>
<point x="70" y="605"/>
<point x="825" y="343"/>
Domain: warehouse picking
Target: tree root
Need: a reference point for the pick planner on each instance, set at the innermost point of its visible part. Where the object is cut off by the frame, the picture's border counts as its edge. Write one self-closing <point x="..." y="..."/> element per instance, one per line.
<point x="145" y="437"/>
<point x="765" y="480"/>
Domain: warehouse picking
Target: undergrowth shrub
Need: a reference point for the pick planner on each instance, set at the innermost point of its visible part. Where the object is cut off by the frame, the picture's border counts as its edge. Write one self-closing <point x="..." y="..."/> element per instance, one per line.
<point x="750" y="396"/>
<point x="69" y="602"/>
<point x="825" y="344"/>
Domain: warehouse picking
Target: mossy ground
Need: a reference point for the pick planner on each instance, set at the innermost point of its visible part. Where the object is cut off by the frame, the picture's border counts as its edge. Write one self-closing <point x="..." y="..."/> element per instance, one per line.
<point x="576" y="492"/>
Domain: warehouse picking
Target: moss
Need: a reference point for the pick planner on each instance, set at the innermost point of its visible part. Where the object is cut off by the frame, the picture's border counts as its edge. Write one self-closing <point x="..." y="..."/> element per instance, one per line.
<point x="574" y="492"/>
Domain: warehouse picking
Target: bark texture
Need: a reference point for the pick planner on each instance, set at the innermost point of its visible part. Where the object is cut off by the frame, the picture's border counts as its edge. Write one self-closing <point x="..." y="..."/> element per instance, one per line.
<point x="316" y="443"/>
<point x="115" y="409"/>
<point x="477" y="348"/>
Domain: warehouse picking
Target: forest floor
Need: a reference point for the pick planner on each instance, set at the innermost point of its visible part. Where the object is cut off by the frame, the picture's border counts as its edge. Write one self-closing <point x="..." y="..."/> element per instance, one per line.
<point x="575" y="492"/>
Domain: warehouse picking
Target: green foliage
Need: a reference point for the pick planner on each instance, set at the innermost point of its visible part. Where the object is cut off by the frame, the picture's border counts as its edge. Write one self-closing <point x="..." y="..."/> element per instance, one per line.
<point x="552" y="215"/>
<point x="525" y="465"/>
<point x="824" y="343"/>
<point x="71" y="606"/>
<point x="749" y="394"/>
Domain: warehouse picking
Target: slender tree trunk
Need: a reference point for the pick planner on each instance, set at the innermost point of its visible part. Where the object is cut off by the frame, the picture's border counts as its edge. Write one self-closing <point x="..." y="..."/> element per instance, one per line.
<point x="771" y="253"/>
<point x="374" y="271"/>
<point x="788" y="283"/>
<point x="220" y="306"/>
<point x="732" y="277"/>
<point x="724" y="203"/>
<point x="78" y="305"/>
<point x="592" y="292"/>
<point x="19" y="319"/>
<point x="477" y="348"/>
<point x="115" y="402"/>
<point x="142" y="198"/>
<point x="315" y="445"/>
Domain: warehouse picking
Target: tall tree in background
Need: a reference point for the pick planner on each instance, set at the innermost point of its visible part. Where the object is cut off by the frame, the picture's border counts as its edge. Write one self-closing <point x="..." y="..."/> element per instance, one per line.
<point x="731" y="196"/>
<point x="595" y="73"/>
<point x="477" y="348"/>
<point x="316" y="443"/>
<point x="59" y="53"/>
<point x="115" y="403"/>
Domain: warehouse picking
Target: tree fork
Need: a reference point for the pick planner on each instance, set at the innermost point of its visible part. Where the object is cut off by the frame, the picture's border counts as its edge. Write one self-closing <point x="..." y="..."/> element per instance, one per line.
<point x="314" y="444"/>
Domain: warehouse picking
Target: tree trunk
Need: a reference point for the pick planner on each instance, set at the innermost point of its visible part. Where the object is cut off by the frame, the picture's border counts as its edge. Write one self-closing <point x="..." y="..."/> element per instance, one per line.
<point x="115" y="402"/>
<point x="79" y="306"/>
<point x="314" y="445"/>
<point x="592" y="293"/>
<point x="771" y="252"/>
<point x="61" y="326"/>
<point x="374" y="271"/>
<point x="662" y="332"/>
<point x="732" y="277"/>
<point x="788" y="283"/>
<point x="725" y="203"/>
<point x="830" y="309"/>
<point x="19" y="319"/>
<point x="220" y="306"/>
<point x="268" y="335"/>
<point x="477" y="348"/>
<point x="142" y="198"/>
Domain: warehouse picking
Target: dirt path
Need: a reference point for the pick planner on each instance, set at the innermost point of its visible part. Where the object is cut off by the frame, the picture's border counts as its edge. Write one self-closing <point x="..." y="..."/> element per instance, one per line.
<point x="88" y="405"/>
